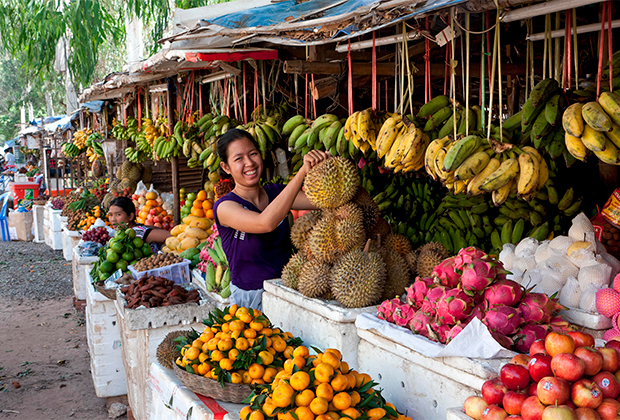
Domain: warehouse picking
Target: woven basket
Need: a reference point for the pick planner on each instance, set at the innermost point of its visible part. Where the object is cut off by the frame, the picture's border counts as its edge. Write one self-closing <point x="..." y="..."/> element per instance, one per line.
<point x="109" y="293"/>
<point x="234" y="393"/>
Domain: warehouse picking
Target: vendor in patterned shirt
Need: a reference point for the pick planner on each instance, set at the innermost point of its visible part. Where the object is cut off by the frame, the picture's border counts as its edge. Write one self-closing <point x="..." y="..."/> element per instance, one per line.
<point x="123" y="211"/>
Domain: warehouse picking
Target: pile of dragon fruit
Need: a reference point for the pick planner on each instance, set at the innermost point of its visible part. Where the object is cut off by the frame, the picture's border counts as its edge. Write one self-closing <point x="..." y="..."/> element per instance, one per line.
<point x="474" y="285"/>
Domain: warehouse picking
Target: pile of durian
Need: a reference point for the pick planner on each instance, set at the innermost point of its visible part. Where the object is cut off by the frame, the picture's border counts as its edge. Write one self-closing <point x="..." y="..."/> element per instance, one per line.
<point x="346" y="250"/>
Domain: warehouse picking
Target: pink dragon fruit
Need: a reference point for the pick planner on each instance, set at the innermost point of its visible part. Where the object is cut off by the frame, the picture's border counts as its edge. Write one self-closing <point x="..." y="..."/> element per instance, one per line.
<point x="454" y="331"/>
<point x="503" y="341"/>
<point x="418" y="323"/>
<point x="417" y="291"/>
<point x="388" y="308"/>
<point x="503" y="319"/>
<point x="538" y="308"/>
<point x="439" y="332"/>
<point x="477" y="312"/>
<point x="503" y="292"/>
<point x="467" y="255"/>
<point x="403" y="315"/>
<point x="454" y="306"/>
<point x="444" y="273"/>
<point x="478" y="275"/>
<point x="559" y="324"/>
<point x="431" y="300"/>
<point x="527" y="334"/>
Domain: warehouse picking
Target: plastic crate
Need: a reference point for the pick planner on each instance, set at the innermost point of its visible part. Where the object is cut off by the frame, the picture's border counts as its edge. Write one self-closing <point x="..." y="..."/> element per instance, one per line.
<point x="179" y="272"/>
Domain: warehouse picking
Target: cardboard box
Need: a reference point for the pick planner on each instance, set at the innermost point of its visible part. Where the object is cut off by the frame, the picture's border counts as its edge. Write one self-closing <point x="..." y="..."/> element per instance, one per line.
<point x="21" y="225"/>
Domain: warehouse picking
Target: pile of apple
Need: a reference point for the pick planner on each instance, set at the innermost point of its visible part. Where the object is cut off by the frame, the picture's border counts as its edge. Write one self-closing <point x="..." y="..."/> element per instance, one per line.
<point x="564" y="378"/>
<point x="150" y="211"/>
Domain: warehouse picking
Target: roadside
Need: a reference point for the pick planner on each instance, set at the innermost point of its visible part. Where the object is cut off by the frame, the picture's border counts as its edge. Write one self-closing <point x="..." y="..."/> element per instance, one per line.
<point x="44" y="360"/>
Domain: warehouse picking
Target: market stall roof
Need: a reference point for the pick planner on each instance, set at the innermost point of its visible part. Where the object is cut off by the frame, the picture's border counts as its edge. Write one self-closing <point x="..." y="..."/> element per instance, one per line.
<point x="295" y="23"/>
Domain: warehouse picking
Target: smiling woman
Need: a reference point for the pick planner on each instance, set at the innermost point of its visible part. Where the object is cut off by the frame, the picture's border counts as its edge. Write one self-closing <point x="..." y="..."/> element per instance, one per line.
<point x="252" y="220"/>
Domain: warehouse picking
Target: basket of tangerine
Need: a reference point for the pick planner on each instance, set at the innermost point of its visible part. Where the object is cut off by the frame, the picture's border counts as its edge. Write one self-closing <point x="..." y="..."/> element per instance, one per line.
<point x="238" y="350"/>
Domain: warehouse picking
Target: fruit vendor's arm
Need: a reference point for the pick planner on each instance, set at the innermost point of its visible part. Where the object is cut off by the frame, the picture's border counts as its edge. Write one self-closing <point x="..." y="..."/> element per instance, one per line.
<point x="157" y="235"/>
<point x="235" y="216"/>
<point x="302" y="202"/>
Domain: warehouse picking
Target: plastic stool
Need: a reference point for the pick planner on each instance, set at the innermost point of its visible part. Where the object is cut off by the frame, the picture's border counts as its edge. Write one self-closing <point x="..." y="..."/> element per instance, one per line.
<point x="4" y="223"/>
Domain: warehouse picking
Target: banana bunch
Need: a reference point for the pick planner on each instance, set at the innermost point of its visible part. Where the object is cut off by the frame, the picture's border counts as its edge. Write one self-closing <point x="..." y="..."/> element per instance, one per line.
<point x="210" y="127"/>
<point x="594" y="127"/>
<point x="265" y="131"/>
<point x="443" y="114"/>
<point x="94" y="141"/>
<point x="80" y="137"/>
<point x="362" y="128"/>
<point x="276" y="111"/>
<point x="70" y="149"/>
<point x="135" y="155"/>
<point x="150" y="132"/>
<point x="403" y="146"/>
<point x="217" y="277"/>
<point x="130" y="132"/>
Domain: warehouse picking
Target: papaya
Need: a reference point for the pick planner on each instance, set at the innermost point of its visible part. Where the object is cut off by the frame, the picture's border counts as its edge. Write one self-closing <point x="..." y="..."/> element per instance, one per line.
<point x="188" y="243"/>
<point x="200" y="223"/>
<point x="197" y="233"/>
<point x="172" y="242"/>
<point x="178" y="229"/>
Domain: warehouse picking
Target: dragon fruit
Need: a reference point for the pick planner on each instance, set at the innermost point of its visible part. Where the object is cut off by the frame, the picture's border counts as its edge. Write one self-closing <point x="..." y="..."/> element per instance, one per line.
<point x="559" y="324"/>
<point x="478" y="275"/>
<point x="503" y="319"/>
<point x="503" y="341"/>
<point x="454" y="331"/>
<point x="467" y="255"/>
<point x="527" y="334"/>
<point x="431" y="300"/>
<point x="388" y="308"/>
<point x="503" y="292"/>
<point x="444" y="273"/>
<point x="439" y="332"/>
<point x="455" y="305"/>
<point x="538" y="308"/>
<point x="403" y="314"/>
<point x="418" y="323"/>
<point x="477" y="312"/>
<point x="417" y="291"/>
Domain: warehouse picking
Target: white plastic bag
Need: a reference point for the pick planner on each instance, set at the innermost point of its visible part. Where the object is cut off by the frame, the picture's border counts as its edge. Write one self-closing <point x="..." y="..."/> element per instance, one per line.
<point x="561" y="244"/>
<point x="542" y="252"/>
<point x="588" y="298"/>
<point x="597" y="274"/>
<point x="526" y="247"/>
<point x="507" y="255"/>
<point x="612" y="261"/>
<point x="531" y="278"/>
<point x="562" y="267"/>
<point x="524" y="263"/>
<point x="581" y="226"/>
<point x="549" y="283"/>
<point x="571" y="293"/>
<point x="582" y="258"/>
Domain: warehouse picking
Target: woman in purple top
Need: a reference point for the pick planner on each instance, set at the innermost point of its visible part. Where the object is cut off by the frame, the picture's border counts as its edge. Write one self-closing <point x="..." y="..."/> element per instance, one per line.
<point x="252" y="220"/>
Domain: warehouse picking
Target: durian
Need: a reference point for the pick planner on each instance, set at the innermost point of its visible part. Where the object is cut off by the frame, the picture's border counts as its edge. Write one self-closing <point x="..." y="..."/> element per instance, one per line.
<point x="430" y="255"/>
<point x="134" y="174"/>
<point x="147" y="174"/>
<point x="332" y="183"/>
<point x="350" y="233"/>
<point x="97" y="168"/>
<point x="381" y="228"/>
<point x="322" y="242"/>
<point x="357" y="279"/>
<point x="290" y="272"/>
<point x="125" y="167"/>
<point x="106" y="200"/>
<point x="127" y="183"/>
<point x="370" y="209"/>
<point x="398" y="243"/>
<point x="314" y="279"/>
<point x="397" y="273"/>
<point x="412" y="261"/>
<point x="119" y="173"/>
<point x="303" y="226"/>
<point x="167" y="350"/>
<point x="115" y="185"/>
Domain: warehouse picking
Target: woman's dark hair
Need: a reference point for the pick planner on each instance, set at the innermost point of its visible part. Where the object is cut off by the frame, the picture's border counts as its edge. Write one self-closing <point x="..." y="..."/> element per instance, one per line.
<point x="126" y="204"/>
<point x="226" y="139"/>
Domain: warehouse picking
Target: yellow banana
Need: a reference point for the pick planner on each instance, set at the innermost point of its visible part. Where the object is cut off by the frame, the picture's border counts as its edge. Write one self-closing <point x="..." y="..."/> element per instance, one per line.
<point x="459" y="187"/>
<point x="595" y="117"/>
<point x="593" y="139"/>
<point x="529" y="171"/>
<point x="500" y="195"/>
<point x="348" y="126"/>
<point x="614" y="134"/>
<point x="387" y="135"/>
<point x="409" y="139"/>
<point x="507" y="171"/>
<point x="473" y="188"/>
<point x="431" y="152"/>
<point x="472" y="166"/>
<point x="609" y="154"/>
<point x="575" y="147"/>
<point x="400" y="138"/>
<point x="364" y="125"/>
<point x="610" y="102"/>
<point x="572" y="120"/>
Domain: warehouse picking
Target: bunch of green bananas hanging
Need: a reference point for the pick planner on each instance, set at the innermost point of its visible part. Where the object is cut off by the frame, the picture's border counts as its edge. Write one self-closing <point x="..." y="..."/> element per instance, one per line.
<point x="277" y="111"/>
<point x="128" y="132"/>
<point x="615" y="61"/>
<point x="70" y="150"/>
<point x="135" y="155"/>
<point x="211" y="127"/>
<point x="265" y="131"/>
<point x="402" y="144"/>
<point x="594" y="127"/>
<point x="94" y="141"/>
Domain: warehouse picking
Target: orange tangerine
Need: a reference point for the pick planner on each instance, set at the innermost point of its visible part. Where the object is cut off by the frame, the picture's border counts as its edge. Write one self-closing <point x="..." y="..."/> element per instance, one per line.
<point x="225" y="335"/>
<point x="335" y="352"/>
<point x="244" y="316"/>
<point x="304" y="398"/>
<point x="198" y="212"/>
<point x="325" y="391"/>
<point x="233" y="353"/>
<point x="235" y="334"/>
<point x="286" y="416"/>
<point x="206" y="336"/>
<point x="317" y="359"/>
<point x="202" y="195"/>
<point x="258" y="381"/>
<point x="344" y="367"/>
<point x="246" y="377"/>
<point x="267" y="340"/>
<point x="225" y="344"/>
<point x="268" y="408"/>
<point x="332" y="415"/>
<point x="278" y="344"/>
<point x="265" y="357"/>
<point x="197" y="204"/>
<point x="304" y="413"/>
<point x="237" y="325"/>
<point x="197" y="343"/>
<point x="207" y="205"/>
<point x="342" y="401"/>
<point x="236" y="378"/>
<point x="212" y="344"/>
<point x="300" y="380"/>
<point x="202" y="357"/>
<point x="361" y="379"/>
<point x="272" y="350"/>
<point x="256" y="326"/>
<point x="245" y="412"/>
<point x="249" y="333"/>
<point x="256" y="371"/>
<point x="301" y="351"/>
<point x="209" y="214"/>
<point x="351" y="412"/>
<point x="251" y="341"/>
<point x="192" y="353"/>
<point x="283" y="395"/>
<point x="351" y="379"/>
<point x="324" y="417"/>
<point x="203" y="368"/>
<point x="331" y="359"/>
<point x="288" y="352"/>
<point x="226" y="364"/>
<point x="256" y="415"/>
<point x="376" y="413"/>
<point x="232" y="310"/>
<point x="269" y="375"/>
<point x="318" y="406"/>
<point x="323" y="372"/>
<point x="339" y="382"/>
<point x="355" y="398"/>
<point x="226" y="326"/>
<point x="242" y="344"/>
<point x="266" y="331"/>
<point x="217" y="355"/>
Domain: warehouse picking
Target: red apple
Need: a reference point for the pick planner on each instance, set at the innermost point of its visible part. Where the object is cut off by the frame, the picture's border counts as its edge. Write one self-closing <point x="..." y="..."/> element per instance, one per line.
<point x="558" y="412"/>
<point x="167" y="219"/>
<point x="148" y="222"/>
<point x="553" y="390"/>
<point x="570" y="404"/>
<point x="583" y="413"/>
<point x="157" y="225"/>
<point x="568" y="366"/>
<point x="514" y="417"/>
<point x="493" y="391"/>
<point x="149" y="218"/>
<point x="157" y="219"/>
<point x="592" y="358"/>
<point x="556" y="343"/>
<point x="153" y="212"/>
<point x="609" y="409"/>
<point x="474" y="406"/>
<point x="613" y="344"/>
<point x="611" y="361"/>
<point x="531" y="390"/>
<point x="494" y="412"/>
<point x="520" y="359"/>
<point x="165" y="226"/>
<point x="513" y="401"/>
<point x="514" y="376"/>
<point x="582" y="339"/>
<point x="540" y="366"/>
<point x="532" y="409"/>
<point x="586" y="393"/>
<point x="608" y="384"/>
<point x="538" y="346"/>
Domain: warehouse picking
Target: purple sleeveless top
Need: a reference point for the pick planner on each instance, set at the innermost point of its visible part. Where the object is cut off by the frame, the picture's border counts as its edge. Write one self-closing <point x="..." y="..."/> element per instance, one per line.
<point x="252" y="257"/>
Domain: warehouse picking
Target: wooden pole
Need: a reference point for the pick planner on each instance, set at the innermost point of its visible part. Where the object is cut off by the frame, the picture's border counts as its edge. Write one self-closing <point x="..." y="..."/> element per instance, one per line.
<point x="315" y="67"/>
<point x="174" y="160"/>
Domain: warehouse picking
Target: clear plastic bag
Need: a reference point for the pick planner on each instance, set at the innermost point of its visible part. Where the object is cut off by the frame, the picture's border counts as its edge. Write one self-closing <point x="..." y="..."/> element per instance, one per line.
<point x="88" y="249"/>
<point x="598" y="274"/>
<point x="527" y="246"/>
<point x="507" y="255"/>
<point x="588" y="298"/>
<point x="581" y="226"/>
<point x="168" y="204"/>
<point x="571" y="293"/>
<point x="560" y="266"/>
<point x="141" y="189"/>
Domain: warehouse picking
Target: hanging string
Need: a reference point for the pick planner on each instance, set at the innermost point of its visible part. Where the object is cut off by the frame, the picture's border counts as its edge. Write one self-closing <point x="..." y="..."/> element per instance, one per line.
<point x="446" y="69"/>
<point x="306" y="100"/>
<point x="200" y="100"/>
<point x="313" y="98"/>
<point x="427" y="66"/>
<point x="600" y="52"/>
<point x="374" y="73"/>
<point x="566" y="82"/>
<point x="467" y="76"/>
<point x="256" y="86"/>
<point x="236" y="98"/>
<point x="575" y="49"/>
<point x="609" y="46"/>
<point x="453" y="71"/>
<point x="487" y="35"/>
<point x="350" y="87"/>
<point x="139" y="109"/>
<point x="483" y="72"/>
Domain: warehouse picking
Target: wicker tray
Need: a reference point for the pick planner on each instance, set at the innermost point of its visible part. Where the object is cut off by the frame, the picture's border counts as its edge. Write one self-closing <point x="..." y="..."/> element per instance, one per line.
<point x="109" y="293"/>
<point x="234" y="393"/>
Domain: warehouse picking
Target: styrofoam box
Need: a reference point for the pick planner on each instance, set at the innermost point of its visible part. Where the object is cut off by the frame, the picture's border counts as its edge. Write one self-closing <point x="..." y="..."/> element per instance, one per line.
<point x="424" y="387"/>
<point x="139" y="345"/>
<point x="53" y="217"/>
<point x="199" y="280"/>
<point x="171" y="400"/>
<point x="53" y="239"/>
<point x="38" y="213"/>
<point x="456" y="414"/>
<point x="104" y="345"/>
<point x="81" y="267"/>
<point x="320" y="323"/>
<point x="70" y="240"/>
<point x="586" y="319"/>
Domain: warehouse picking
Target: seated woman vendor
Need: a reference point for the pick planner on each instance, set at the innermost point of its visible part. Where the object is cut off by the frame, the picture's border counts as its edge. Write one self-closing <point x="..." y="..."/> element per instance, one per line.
<point x="123" y="212"/>
<point x="252" y="220"/>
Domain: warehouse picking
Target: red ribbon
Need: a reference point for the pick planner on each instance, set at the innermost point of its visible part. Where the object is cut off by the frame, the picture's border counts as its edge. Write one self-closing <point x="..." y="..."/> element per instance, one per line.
<point x="350" y="87"/>
<point x="139" y="109"/>
<point x="609" y="46"/>
<point x="200" y="99"/>
<point x="236" y="98"/>
<point x="245" y="97"/>
<point x="374" y="73"/>
<point x="567" y="50"/>
<point x="313" y="99"/>
<point x="306" y="99"/>
<point x="427" y="66"/>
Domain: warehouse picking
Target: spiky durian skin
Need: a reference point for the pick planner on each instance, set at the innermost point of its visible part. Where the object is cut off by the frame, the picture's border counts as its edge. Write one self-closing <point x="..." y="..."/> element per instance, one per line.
<point x="357" y="279"/>
<point x="332" y="183"/>
<point x="303" y="226"/>
<point x="397" y="274"/>
<point x="398" y="243"/>
<point x="435" y="247"/>
<point x="167" y="349"/>
<point x="382" y="228"/>
<point x="429" y="256"/>
<point x="321" y="244"/>
<point x="370" y="209"/>
<point x="291" y="271"/>
<point x="412" y="262"/>
<point x="350" y="233"/>
<point x="314" y="279"/>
